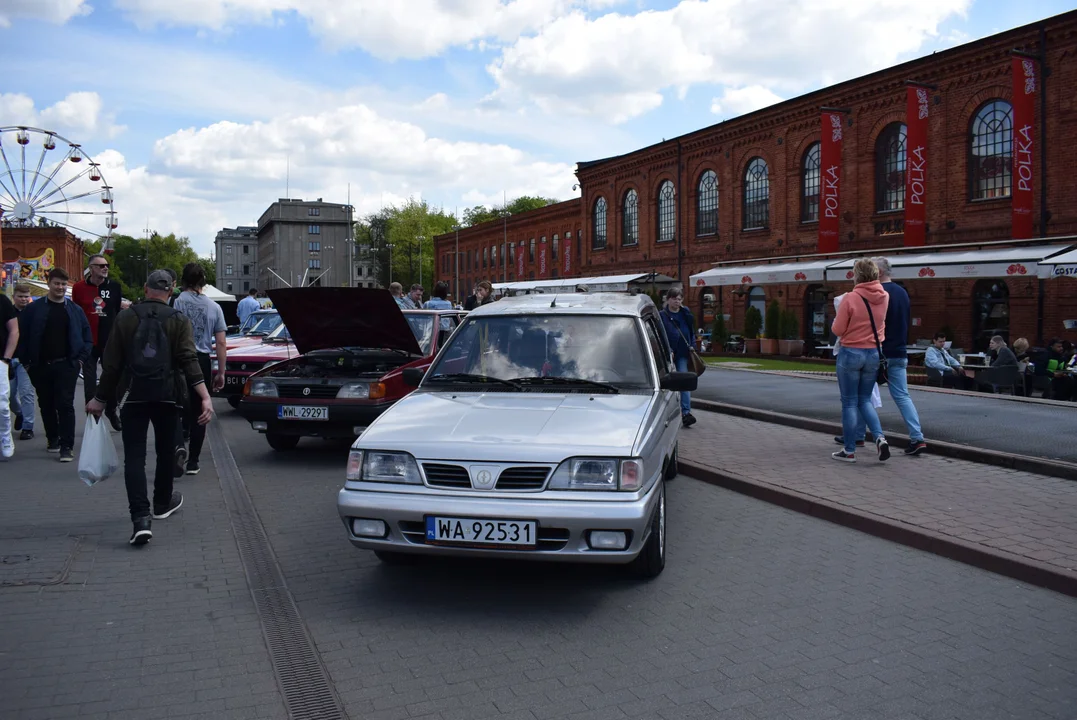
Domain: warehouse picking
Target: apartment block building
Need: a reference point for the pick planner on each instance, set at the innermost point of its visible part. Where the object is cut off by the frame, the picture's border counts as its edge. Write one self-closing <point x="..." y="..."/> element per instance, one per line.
<point x="237" y="259"/>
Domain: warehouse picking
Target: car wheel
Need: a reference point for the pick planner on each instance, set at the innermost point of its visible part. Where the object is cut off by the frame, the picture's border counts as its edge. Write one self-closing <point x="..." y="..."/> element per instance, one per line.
<point x="671" y="466"/>
<point x="395" y="558"/>
<point x="233" y="400"/>
<point x="282" y="442"/>
<point x="652" y="559"/>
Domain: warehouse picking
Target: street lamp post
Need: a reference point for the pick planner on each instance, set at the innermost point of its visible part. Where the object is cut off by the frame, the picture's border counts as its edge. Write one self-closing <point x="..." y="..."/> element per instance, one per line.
<point x="390" y="246"/>
<point x="456" y="275"/>
<point x="421" y="238"/>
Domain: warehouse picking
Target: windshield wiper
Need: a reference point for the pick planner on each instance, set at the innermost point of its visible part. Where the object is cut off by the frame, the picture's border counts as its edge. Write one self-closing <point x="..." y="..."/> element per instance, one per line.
<point x="554" y="380"/>
<point x="470" y="378"/>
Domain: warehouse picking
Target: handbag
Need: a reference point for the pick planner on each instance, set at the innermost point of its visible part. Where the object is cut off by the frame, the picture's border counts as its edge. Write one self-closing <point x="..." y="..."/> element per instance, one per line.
<point x="880" y="375"/>
<point x="694" y="360"/>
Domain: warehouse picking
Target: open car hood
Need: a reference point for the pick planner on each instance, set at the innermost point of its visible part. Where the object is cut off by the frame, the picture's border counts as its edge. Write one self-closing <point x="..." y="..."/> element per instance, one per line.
<point x="319" y="318"/>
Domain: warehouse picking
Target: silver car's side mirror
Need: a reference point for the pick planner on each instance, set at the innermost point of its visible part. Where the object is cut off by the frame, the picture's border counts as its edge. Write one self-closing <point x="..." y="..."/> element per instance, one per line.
<point x="679" y="381"/>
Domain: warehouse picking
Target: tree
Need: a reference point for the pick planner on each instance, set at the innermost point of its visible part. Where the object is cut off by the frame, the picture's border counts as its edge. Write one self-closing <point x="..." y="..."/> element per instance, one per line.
<point x="211" y="269"/>
<point x="774" y="321"/>
<point x="134" y="258"/>
<point x="481" y="214"/>
<point x="410" y="230"/>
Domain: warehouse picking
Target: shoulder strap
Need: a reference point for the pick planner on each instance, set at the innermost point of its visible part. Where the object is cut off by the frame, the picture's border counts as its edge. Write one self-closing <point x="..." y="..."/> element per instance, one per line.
<point x="875" y="332"/>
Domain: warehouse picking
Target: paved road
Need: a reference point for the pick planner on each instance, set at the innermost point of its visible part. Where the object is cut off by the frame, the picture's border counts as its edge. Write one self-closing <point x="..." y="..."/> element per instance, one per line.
<point x="992" y="423"/>
<point x="761" y="613"/>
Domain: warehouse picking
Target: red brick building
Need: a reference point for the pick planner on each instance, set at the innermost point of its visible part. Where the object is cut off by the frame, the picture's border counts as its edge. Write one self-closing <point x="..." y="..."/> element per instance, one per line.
<point x="27" y="243"/>
<point x="747" y="190"/>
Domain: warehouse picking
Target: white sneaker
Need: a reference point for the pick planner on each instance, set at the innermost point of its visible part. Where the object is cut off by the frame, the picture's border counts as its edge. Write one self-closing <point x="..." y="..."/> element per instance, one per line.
<point x="7" y="446"/>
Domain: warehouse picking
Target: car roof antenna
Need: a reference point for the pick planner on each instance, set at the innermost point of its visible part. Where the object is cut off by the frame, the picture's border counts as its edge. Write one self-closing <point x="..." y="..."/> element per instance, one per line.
<point x="553" y="303"/>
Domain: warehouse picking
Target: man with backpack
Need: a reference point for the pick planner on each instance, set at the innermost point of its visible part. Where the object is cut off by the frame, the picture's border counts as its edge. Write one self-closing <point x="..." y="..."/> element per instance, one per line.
<point x="149" y="362"/>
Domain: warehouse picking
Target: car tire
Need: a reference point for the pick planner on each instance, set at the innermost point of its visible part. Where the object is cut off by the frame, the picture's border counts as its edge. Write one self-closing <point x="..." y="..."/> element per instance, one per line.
<point x="233" y="400"/>
<point x="652" y="558"/>
<point x="395" y="558"/>
<point x="671" y="467"/>
<point x="280" y="442"/>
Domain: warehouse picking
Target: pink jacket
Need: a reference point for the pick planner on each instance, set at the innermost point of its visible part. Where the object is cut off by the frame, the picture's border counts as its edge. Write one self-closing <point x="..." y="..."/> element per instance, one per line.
<point x="852" y="323"/>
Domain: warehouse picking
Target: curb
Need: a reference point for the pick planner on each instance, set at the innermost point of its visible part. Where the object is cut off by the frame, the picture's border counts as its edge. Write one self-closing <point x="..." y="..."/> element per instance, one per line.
<point x="1025" y="463"/>
<point x="1000" y="562"/>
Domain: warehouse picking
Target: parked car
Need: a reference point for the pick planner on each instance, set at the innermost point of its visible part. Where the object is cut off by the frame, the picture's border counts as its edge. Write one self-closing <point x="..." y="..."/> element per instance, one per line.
<point x="354" y="344"/>
<point x="545" y="429"/>
<point x="251" y="356"/>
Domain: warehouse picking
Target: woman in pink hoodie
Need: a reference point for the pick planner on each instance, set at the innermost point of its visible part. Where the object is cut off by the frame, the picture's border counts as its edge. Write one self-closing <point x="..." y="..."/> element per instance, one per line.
<point x="858" y="358"/>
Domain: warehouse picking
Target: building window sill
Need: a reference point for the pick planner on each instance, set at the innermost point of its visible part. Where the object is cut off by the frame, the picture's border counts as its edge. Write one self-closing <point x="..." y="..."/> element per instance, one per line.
<point x="804" y="223"/>
<point x="706" y="236"/>
<point x="755" y="231"/>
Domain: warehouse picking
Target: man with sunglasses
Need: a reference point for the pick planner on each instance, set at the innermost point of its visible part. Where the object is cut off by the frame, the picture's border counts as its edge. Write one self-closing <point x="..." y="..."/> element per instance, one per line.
<point x="100" y="298"/>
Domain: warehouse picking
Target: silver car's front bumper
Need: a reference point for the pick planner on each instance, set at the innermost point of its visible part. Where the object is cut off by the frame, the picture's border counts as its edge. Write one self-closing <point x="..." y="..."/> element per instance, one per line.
<point x="563" y="525"/>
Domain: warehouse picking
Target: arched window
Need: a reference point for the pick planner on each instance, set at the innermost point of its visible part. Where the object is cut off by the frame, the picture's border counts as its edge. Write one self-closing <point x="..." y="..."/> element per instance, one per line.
<point x="707" y="204"/>
<point x="667" y="211"/>
<point x="630" y="219"/>
<point x="757" y="298"/>
<point x="809" y="185"/>
<point x="756" y="194"/>
<point x="553" y="250"/>
<point x="890" y="168"/>
<point x="531" y="252"/>
<point x="990" y="312"/>
<point x="598" y="220"/>
<point x="991" y="151"/>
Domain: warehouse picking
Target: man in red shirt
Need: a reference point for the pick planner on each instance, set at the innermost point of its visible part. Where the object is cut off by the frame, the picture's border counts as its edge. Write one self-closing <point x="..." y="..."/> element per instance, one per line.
<point x="100" y="299"/>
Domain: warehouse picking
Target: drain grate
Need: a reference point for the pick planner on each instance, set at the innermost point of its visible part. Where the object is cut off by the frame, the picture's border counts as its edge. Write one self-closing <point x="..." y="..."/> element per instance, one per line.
<point x="302" y="678"/>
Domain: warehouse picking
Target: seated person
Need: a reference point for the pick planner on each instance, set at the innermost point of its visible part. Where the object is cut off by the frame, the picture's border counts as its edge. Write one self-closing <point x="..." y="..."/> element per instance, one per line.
<point x="1003" y="355"/>
<point x="1024" y="357"/>
<point x="939" y="358"/>
<point x="1062" y="382"/>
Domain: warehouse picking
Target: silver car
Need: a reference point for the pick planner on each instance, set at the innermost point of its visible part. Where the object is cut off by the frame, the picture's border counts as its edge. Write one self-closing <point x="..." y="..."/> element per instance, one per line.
<point x="545" y="429"/>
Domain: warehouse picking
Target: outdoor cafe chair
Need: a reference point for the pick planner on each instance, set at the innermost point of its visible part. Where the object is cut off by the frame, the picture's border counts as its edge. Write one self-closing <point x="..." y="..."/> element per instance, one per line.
<point x="1000" y="377"/>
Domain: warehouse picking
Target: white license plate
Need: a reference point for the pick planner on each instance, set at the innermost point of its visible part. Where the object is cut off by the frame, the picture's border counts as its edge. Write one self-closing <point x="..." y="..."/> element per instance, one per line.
<point x="479" y="531"/>
<point x="302" y="412"/>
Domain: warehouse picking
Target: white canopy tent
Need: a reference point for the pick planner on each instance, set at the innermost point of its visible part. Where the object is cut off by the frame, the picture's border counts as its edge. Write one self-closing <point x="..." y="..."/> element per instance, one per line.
<point x="216" y="295"/>
<point x="987" y="263"/>
<point x="812" y="271"/>
<point x="1063" y="264"/>
<point x="600" y="283"/>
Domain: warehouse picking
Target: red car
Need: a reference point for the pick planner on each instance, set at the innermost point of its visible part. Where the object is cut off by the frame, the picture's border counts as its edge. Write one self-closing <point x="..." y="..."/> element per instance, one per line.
<point x="244" y="360"/>
<point x="354" y="343"/>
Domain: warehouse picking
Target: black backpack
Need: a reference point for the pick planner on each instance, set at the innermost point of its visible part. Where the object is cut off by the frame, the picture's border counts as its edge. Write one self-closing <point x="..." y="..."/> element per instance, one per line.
<point x="149" y="357"/>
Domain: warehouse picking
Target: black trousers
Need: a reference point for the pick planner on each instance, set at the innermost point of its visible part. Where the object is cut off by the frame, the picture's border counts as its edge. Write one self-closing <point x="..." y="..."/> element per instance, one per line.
<point x="191" y="429"/>
<point x="89" y="379"/>
<point x="55" y="384"/>
<point x="137" y="418"/>
<point x="960" y="382"/>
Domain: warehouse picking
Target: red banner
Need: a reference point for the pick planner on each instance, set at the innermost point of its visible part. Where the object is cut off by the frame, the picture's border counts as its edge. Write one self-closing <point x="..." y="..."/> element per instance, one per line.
<point x="1024" y="115"/>
<point x="916" y="119"/>
<point x="567" y="250"/>
<point x="830" y="182"/>
<point x="520" y="260"/>
<point x="543" y="255"/>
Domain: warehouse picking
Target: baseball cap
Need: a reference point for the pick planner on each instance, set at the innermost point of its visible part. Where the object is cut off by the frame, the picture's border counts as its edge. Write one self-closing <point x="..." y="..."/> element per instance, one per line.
<point x="159" y="280"/>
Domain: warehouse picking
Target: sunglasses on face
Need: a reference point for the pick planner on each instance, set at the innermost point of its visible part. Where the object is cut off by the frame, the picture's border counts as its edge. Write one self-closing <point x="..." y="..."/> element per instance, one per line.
<point x="99" y="265"/>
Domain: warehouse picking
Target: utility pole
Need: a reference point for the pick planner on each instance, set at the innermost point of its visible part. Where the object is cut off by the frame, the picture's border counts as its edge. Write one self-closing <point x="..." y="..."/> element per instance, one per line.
<point x="351" y="240"/>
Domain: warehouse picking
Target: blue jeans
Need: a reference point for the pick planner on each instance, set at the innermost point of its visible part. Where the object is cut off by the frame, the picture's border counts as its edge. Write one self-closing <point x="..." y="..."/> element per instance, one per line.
<point x="23" y="398"/>
<point x="686" y="397"/>
<point x="856" y="379"/>
<point x="898" y="383"/>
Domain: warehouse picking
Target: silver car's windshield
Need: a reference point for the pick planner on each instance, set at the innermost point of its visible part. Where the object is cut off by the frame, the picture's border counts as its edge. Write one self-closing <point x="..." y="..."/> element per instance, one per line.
<point x="598" y="349"/>
<point x="266" y="325"/>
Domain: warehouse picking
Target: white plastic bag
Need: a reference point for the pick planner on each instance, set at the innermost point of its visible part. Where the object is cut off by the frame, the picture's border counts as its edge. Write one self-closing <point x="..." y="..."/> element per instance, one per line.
<point x="876" y="398"/>
<point x="97" y="458"/>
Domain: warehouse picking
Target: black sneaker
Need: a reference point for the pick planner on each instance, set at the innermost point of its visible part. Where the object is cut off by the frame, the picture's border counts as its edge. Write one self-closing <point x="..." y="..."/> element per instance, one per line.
<point x="27" y="435"/>
<point x="18" y="422"/>
<point x="179" y="464"/>
<point x="114" y="420"/>
<point x="192" y="467"/>
<point x="842" y="456"/>
<point x="915" y="448"/>
<point x="142" y="533"/>
<point x="688" y="420"/>
<point x="52" y="446"/>
<point x="841" y="441"/>
<point x="66" y="454"/>
<point x="884" y="449"/>
<point x="174" y="504"/>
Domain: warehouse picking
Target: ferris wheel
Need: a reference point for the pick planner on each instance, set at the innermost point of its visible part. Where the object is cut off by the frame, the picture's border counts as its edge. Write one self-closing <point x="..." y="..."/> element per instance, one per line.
<point x="53" y="187"/>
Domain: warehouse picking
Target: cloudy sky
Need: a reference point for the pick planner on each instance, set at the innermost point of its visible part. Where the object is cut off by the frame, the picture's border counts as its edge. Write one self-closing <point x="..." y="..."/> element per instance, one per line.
<point x="199" y="109"/>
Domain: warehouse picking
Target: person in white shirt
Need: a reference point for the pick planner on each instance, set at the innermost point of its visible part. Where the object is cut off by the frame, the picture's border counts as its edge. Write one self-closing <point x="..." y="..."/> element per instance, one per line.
<point x="247" y="306"/>
<point x="939" y="358"/>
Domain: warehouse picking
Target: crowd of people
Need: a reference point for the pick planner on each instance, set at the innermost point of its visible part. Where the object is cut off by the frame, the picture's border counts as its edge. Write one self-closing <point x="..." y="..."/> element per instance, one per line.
<point x="154" y="359"/>
<point x="440" y="299"/>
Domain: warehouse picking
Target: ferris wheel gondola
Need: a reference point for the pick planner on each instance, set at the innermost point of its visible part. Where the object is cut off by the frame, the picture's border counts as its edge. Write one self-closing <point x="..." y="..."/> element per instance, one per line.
<point x="64" y="188"/>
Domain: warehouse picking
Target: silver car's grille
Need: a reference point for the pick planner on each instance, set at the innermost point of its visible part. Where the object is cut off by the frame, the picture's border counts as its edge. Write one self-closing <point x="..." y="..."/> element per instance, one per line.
<point x="548" y="538"/>
<point x="448" y="476"/>
<point x="522" y="478"/>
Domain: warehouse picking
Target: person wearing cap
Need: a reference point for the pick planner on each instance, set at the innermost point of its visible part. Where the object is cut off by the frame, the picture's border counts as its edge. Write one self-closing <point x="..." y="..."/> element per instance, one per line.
<point x="55" y="340"/>
<point x="148" y="403"/>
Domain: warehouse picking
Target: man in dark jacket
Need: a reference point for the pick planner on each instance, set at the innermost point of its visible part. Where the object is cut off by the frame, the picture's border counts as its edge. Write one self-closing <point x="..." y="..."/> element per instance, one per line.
<point x="149" y="361"/>
<point x="100" y="298"/>
<point x="680" y="329"/>
<point x="55" y="340"/>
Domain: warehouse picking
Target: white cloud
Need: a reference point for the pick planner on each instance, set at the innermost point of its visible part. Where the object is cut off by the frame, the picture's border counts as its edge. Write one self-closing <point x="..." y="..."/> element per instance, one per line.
<point x="739" y="101"/>
<point x="54" y="11"/>
<point x="389" y="30"/>
<point x="80" y="114"/>
<point x="617" y="66"/>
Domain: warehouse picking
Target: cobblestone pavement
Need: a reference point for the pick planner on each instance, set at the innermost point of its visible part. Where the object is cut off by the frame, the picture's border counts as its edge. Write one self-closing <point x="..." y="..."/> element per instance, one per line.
<point x="761" y="613"/>
<point x="977" y="420"/>
<point x="1012" y="512"/>
<point x="93" y="628"/>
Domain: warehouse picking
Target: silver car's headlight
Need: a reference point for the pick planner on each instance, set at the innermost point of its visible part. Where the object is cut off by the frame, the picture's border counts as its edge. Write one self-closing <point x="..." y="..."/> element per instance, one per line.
<point x="354" y="391"/>
<point x="386" y="467"/>
<point x="214" y="364"/>
<point x="263" y="388"/>
<point x="598" y="474"/>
